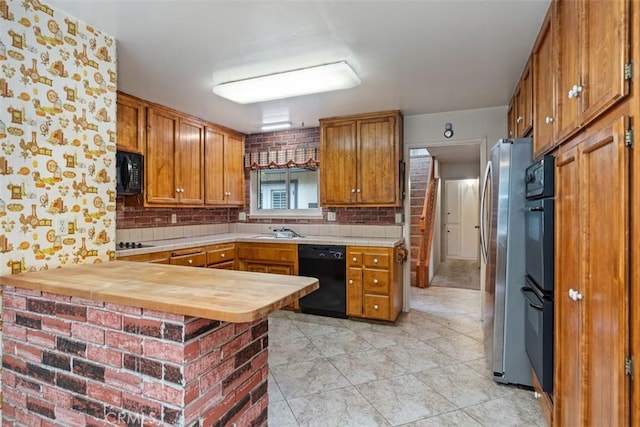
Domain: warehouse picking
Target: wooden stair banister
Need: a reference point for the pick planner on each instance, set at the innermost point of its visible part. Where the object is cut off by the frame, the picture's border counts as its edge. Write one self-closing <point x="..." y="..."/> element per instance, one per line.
<point x="426" y="226"/>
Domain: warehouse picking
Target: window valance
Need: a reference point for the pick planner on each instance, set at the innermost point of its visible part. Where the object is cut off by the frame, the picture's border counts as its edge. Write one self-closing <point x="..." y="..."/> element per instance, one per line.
<point x="306" y="158"/>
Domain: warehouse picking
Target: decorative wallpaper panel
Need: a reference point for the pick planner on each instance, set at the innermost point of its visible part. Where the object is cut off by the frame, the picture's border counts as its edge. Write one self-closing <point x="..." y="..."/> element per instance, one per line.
<point x="57" y="139"/>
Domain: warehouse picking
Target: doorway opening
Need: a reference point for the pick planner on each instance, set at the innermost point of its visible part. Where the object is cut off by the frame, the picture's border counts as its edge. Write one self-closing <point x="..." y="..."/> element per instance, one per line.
<point x="455" y="236"/>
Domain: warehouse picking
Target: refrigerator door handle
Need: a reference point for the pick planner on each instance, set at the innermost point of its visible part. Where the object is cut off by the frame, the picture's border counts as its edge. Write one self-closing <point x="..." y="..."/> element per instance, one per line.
<point x="483" y="203"/>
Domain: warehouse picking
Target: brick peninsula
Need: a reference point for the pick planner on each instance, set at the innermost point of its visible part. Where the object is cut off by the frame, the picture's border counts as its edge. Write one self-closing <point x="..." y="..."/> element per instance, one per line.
<point x="126" y="343"/>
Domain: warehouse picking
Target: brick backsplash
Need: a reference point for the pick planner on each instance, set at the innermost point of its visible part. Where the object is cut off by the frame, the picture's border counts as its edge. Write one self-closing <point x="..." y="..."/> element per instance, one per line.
<point x="71" y="361"/>
<point x="131" y="214"/>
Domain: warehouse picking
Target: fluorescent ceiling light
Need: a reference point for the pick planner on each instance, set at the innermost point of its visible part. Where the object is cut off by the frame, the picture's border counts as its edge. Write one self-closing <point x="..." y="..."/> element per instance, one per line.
<point x="276" y="126"/>
<point x="323" y="78"/>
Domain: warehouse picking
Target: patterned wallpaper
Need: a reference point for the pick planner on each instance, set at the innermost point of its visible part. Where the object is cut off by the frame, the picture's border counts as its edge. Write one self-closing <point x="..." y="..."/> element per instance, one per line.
<point x="57" y="139"/>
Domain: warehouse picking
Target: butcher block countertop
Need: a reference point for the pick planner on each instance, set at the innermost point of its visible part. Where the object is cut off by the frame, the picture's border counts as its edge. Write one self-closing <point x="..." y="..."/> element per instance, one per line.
<point x="230" y="296"/>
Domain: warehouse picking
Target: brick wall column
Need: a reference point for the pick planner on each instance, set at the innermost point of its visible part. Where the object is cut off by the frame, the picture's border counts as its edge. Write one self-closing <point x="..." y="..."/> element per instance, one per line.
<point x="74" y="362"/>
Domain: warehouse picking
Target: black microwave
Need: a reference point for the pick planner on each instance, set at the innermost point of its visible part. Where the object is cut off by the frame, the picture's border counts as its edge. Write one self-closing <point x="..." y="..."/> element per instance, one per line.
<point x="129" y="173"/>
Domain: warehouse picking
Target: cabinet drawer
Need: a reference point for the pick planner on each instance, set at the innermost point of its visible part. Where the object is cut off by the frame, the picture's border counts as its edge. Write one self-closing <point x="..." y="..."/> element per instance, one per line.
<point x="221" y="254"/>
<point x="198" y="259"/>
<point x="354" y="259"/>
<point x="376" y="307"/>
<point x="227" y="265"/>
<point x="377" y="260"/>
<point x="376" y="281"/>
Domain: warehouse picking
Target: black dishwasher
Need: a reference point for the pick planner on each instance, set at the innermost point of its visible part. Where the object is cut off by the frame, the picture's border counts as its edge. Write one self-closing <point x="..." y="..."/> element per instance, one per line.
<point x="328" y="264"/>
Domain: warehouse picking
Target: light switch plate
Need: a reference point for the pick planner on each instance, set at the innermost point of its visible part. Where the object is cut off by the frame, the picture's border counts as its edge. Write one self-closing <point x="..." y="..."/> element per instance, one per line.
<point x="331" y="216"/>
<point x="399" y="218"/>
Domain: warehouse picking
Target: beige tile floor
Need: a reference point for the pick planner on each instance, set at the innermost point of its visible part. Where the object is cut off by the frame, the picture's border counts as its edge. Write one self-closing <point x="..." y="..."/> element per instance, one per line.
<point x="426" y="370"/>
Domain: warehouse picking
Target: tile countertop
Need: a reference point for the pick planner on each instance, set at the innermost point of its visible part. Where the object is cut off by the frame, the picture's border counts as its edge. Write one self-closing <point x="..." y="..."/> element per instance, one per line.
<point x="188" y="242"/>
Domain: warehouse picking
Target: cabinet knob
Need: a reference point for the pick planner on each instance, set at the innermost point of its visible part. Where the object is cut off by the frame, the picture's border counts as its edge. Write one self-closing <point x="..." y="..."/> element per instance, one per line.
<point x="520" y="119"/>
<point x="222" y="255"/>
<point x="375" y="281"/>
<point x="353" y="190"/>
<point x="351" y="282"/>
<point x="190" y="261"/>
<point x="548" y="120"/>
<point x="375" y="260"/>
<point x="354" y="259"/>
<point x="537" y="395"/>
<point x="575" y="295"/>
<point x="376" y="306"/>
<point x="357" y="190"/>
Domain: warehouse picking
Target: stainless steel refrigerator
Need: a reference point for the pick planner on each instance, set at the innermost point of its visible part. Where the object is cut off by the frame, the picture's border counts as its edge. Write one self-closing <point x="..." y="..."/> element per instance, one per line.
<point x="502" y="244"/>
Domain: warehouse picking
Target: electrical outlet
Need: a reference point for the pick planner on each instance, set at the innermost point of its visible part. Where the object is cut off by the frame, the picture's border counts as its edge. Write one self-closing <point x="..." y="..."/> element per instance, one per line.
<point x="61" y="225"/>
<point x="399" y="218"/>
<point x="174" y="218"/>
<point x="331" y="216"/>
<point x="242" y="216"/>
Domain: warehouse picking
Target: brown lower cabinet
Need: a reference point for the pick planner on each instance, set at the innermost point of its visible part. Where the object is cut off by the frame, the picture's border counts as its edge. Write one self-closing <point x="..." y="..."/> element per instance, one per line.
<point x="374" y="283"/>
<point x="274" y="258"/>
<point x="212" y="256"/>
<point x="592" y="290"/>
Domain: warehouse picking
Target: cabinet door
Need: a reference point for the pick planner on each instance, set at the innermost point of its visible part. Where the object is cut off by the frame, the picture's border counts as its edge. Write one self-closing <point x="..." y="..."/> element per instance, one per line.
<point x="338" y="163"/>
<point x="256" y="268"/>
<point x="377" y="162"/>
<point x="190" y="158"/>
<point x="214" y="167"/>
<point x="604" y="183"/>
<point x="604" y="53"/>
<point x="526" y="101"/>
<point x="131" y="124"/>
<point x="567" y="16"/>
<point x="568" y="329"/>
<point x="354" y="292"/>
<point x="234" y="169"/>
<point x="160" y="168"/>
<point x="511" y="119"/>
<point x="543" y="90"/>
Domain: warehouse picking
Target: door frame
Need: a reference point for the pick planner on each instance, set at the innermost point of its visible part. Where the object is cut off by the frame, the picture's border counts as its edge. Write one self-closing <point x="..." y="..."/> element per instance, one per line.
<point x="481" y="143"/>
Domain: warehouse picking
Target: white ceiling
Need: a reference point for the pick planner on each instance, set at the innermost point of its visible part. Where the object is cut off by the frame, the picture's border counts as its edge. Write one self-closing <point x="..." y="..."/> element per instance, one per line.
<point x="417" y="56"/>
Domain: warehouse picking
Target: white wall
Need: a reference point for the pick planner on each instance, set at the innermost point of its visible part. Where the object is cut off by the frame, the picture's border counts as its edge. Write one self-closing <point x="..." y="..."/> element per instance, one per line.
<point x="467" y="124"/>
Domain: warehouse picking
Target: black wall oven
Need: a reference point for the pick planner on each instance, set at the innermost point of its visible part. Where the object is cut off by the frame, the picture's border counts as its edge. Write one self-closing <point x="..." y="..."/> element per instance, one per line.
<point x="539" y="249"/>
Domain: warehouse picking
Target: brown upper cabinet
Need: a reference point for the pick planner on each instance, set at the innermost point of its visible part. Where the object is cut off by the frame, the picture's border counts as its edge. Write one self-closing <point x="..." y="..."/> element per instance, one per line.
<point x="580" y="68"/>
<point x="223" y="170"/>
<point x="131" y="124"/>
<point x="524" y="103"/>
<point x="544" y="111"/>
<point x="174" y="159"/>
<point x="360" y="160"/>
<point x="189" y="162"/>
<point x="592" y="52"/>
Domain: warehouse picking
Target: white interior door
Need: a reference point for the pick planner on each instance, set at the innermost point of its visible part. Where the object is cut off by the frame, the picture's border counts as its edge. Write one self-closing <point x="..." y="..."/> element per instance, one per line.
<point x="453" y="222"/>
<point x="461" y="198"/>
<point x="469" y="218"/>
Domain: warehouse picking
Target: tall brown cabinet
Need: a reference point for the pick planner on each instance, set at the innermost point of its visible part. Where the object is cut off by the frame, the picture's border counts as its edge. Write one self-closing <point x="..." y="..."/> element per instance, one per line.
<point x="592" y="295"/>
<point x="585" y="107"/>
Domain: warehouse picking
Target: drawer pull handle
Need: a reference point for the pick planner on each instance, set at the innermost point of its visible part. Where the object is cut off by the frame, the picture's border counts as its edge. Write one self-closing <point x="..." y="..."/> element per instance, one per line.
<point x="375" y="281"/>
<point x="190" y="261"/>
<point x="351" y="282"/>
<point x="376" y="306"/>
<point x="375" y="260"/>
